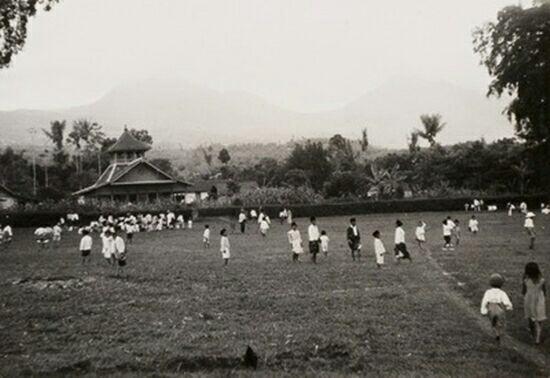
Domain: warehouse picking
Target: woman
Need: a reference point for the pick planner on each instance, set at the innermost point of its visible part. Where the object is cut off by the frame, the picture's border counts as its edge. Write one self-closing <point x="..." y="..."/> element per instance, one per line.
<point x="534" y="299"/>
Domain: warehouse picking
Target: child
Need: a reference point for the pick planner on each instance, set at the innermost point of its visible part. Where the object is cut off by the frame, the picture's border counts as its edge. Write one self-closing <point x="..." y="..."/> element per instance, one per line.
<point x="420" y="234"/>
<point x="120" y="253"/>
<point x="379" y="249"/>
<point x="400" y="249"/>
<point x="456" y="232"/>
<point x="314" y="238"/>
<point x="511" y="208"/>
<point x="530" y="228"/>
<point x="86" y="246"/>
<point x="190" y="223"/>
<point x="43" y="236"/>
<point x="494" y="304"/>
<point x="206" y="236"/>
<point x="295" y="240"/>
<point x="107" y="242"/>
<point x="354" y="239"/>
<point x="264" y="226"/>
<point x="57" y="234"/>
<point x="129" y="228"/>
<point x="8" y="234"/>
<point x="225" y="247"/>
<point x="447" y="234"/>
<point x="473" y="225"/>
<point x="534" y="299"/>
<point x="324" y="242"/>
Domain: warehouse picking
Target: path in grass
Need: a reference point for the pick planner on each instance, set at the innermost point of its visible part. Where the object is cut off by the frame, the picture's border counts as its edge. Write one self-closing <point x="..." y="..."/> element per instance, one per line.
<point x="526" y="351"/>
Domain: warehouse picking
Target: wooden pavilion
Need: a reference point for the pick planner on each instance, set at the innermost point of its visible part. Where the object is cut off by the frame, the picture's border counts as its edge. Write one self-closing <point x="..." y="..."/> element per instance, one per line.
<point x="130" y="177"/>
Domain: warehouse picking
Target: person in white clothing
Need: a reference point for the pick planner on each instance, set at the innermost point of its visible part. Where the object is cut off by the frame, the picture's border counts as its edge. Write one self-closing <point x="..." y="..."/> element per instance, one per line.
<point x="314" y="239"/>
<point x="400" y="249"/>
<point x="511" y="208"/>
<point x="7" y="234"/>
<point x="206" y="236"/>
<point x="57" y="233"/>
<point x="420" y="234"/>
<point x="108" y="245"/>
<point x="523" y="207"/>
<point x="264" y="226"/>
<point x="529" y="226"/>
<point x="120" y="252"/>
<point x="473" y="225"/>
<point x="495" y="303"/>
<point x="242" y="221"/>
<point x="324" y="239"/>
<point x="86" y="246"/>
<point x="379" y="249"/>
<point x="448" y="227"/>
<point x="225" y="247"/>
<point x="295" y="241"/>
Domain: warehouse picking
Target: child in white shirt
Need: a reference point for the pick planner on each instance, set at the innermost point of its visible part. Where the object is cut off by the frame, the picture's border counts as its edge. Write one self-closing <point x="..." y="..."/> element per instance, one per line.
<point x="86" y="246"/>
<point x="225" y="247"/>
<point x="295" y="241"/>
<point x="529" y="226"/>
<point x="57" y="233"/>
<point x="120" y="253"/>
<point x="448" y="227"/>
<point x="324" y="242"/>
<point x="264" y="226"/>
<point x="420" y="234"/>
<point x="473" y="225"/>
<point x="379" y="249"/>
<point x="494" y="304"/>
<point x="206" y="236"/>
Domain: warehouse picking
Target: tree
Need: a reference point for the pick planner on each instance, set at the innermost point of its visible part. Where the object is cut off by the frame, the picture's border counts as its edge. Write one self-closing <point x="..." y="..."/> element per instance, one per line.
<point x="207" y="155"/>
<point x="432" y="126"/>
<point x="14" y="18"/>
<point x="341" y="153"/>
<point x="15" y="171"/>
<point x="312" y="158"/>
<point x="364" y="140"/>
<point x="412" y="142"/>
<point x="86" y="137"/>
<point x="56" y="134"/>
<point x="516" y="52"/>
<point x="142" y="135"/>
<point x="224" y="156"/>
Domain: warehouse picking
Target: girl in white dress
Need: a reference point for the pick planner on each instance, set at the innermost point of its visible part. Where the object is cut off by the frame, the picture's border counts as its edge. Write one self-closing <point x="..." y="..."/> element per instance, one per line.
<point x="379" y="249"/>
<point x="225" y="247"/>
<point x="295" y="240"/>
<point x="420" y="234"/>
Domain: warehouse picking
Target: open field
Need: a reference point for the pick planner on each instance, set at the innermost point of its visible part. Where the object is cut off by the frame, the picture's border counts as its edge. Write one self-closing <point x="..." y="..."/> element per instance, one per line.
<point x="180" y="311"/>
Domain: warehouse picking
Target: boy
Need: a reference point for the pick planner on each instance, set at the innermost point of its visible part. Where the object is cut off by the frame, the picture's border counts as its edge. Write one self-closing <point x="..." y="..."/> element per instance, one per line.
<point x="206" y="236"/>
<point x="120" y="253"/>
<point x="494" y="304"/>
<point x="400" y="248"/>
<point x="86" y="246"/>
<point x="354" y="239"/>
<point x="379" y="249"/>
<point x="314" y="237"/>
<point x="324" y="242"/>
<point x="530" y="228"/>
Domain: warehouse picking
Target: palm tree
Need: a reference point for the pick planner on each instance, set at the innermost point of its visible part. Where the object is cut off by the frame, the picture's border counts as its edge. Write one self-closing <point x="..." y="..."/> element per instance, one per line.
<point x="432" y="126"/>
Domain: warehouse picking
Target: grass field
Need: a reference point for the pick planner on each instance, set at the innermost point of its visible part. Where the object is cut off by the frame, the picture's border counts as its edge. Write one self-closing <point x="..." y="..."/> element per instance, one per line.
<point x="180" y="311"/>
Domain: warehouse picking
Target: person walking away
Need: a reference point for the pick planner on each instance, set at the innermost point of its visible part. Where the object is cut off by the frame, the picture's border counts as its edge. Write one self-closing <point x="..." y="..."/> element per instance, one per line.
<point x="494" y="305"/>
<point x="529" y="226"/>
<point x="324" y="242"/>
<point x="85" y="246"/>
<point x="534" y="299"/>
<point x="401" y="252"/>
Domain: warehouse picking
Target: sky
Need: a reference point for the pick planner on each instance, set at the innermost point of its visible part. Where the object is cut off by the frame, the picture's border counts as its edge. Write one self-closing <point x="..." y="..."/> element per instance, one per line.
<point x="303" y="55"/>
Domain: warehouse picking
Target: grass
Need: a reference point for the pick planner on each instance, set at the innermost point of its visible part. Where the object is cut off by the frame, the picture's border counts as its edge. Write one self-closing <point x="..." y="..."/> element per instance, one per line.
<point x="178" y="310"/>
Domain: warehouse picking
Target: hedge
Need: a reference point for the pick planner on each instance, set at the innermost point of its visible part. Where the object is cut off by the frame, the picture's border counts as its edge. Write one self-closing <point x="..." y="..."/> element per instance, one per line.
<point x="35" y="219"/>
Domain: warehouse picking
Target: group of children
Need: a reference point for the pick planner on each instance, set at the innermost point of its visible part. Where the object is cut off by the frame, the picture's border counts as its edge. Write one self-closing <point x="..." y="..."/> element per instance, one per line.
<point x="496" y="302"/>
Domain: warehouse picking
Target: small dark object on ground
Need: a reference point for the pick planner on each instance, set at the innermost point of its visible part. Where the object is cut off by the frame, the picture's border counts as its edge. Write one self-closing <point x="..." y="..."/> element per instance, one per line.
<point x="250" y="358"/>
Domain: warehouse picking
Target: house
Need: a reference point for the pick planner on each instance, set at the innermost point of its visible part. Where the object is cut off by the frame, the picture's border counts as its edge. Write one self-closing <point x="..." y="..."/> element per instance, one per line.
<point x="130" y="177"/>
<point x="8" y="198"/>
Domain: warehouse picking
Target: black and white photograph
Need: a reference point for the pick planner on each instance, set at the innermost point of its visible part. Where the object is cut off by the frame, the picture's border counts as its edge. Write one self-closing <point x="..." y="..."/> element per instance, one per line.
<point x="276" y="188"/>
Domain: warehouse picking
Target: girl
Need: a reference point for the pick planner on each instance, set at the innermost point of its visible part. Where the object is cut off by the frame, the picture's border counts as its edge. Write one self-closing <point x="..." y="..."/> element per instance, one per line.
<point x="530" y="228"/>
<point x="473" y="225"/>
<point x="534" y="299"/>
<point x="494" y="304"/>
<point x="400" y="249"/>
<point x="225" y="247"/>
<point x="420" y="234"/>
<point x="206" y="236"/>
<point x="447" y="234"/>
<point x="295" y="240"/>
<point x="379" y="249"/>
<point x="324" y="242"/>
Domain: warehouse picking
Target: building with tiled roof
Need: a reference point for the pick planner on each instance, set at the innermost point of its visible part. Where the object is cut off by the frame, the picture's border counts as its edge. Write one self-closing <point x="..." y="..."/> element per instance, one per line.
<point x="130" y="177"/>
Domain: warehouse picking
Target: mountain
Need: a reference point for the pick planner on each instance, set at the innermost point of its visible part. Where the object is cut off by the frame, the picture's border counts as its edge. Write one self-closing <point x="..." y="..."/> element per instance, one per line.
<point x="180" y="113"/>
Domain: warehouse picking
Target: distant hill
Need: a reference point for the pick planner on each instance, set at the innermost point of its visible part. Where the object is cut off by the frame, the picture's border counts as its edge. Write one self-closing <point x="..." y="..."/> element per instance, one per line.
<point x="178" y="113"/>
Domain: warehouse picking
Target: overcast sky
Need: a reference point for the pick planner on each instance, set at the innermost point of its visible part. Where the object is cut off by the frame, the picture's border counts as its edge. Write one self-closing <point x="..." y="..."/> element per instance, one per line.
<point x="304" y="55"/>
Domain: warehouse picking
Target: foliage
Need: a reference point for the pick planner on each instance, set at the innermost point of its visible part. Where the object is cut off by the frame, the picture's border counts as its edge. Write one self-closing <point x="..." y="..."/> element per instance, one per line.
<point x="223" y="156"/>
<point x="142" y="135"/>
<point x="432" y="126"/>
<point x="14" y="19"/>
<point x="313" y="159"/>
<point x="341" y="153"/>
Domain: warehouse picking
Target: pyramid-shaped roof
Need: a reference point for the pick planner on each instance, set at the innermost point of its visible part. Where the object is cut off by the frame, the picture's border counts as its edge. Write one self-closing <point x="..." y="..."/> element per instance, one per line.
<point x="128" y="143"/>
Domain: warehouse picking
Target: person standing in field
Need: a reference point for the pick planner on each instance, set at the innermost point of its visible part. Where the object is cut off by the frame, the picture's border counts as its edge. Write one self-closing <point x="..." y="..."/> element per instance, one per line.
<point x="447" y="235"/>
<point x="534" y="299"/>
<point x="420" y="234"/>
<point x="86" y="246"/>
<point x="379" y="249"/>
<point x="473" y="225"/>
<point x="354" y="239"/>
<point x="400" y="249"/>
<point x="494" y="305"/>
<point x="242" y="221"/>
<point x="120" y="253"/>
<point x="57" y="234"/>
<point x="457" y="232"/>
<point x="295" y="241"/>
<point x="314" y="239"/>
<point x="7" y="232"/>
<point x="264" y="226"/>
<point x="225" y="247"/>
<point x="324" y="239"/>
<point x="511" y="208"/>
<point x="529" y="226"/>
<point x="206" y="236"/>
